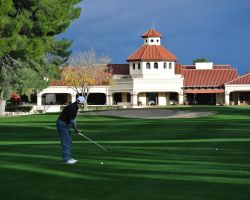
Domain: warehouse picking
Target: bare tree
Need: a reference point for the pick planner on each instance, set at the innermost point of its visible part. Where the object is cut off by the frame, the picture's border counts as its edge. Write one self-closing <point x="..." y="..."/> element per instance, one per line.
<point x="87" y="59"/>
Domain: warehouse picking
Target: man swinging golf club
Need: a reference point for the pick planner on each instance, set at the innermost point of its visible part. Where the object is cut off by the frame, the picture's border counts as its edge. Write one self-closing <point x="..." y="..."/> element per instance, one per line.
<point x="66" y="120"/>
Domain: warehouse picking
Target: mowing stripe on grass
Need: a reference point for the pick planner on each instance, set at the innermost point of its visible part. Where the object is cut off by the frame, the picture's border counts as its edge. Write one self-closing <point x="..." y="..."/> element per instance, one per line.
<point x="2" y="143"/>
<point x="40" y="170"/>
<point x="188" y="168"/>
<point x="21" y="155"/>
<point x="183" y="177"/>
<point x="159" y="160"/>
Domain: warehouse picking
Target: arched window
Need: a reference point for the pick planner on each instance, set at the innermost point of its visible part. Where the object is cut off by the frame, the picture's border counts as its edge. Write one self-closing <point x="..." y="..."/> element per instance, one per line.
<point x="165" y="65"/>
<point x="148" y="65"/>
<point x="155" y="65"/>
<point x="139" y="65"/>
<point x="133" y="65"/>
<point x="170" y="65"/>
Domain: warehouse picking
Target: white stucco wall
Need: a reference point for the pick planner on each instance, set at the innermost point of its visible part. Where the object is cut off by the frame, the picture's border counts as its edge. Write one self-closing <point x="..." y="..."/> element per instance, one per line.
<point x="121" y="85"/>
<point x="158" y="85"/>
<point x="161" y="72"/>
<point x="118" y="76"/>
<point x="67" y="90"/>
<point x="152" y="41"/>
<point x="235" y="88"/>
<point x="204" y="65"/>
<point x="162" y="99"/>
<point x="136" y="72"/>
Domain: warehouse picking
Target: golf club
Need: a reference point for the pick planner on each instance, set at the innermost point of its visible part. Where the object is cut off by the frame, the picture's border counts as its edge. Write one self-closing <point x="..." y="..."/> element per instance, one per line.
<point x="104" y="148"/>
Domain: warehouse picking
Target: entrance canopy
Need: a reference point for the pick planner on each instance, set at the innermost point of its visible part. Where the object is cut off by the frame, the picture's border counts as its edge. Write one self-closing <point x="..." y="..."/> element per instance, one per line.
<point x="204" y="91"/>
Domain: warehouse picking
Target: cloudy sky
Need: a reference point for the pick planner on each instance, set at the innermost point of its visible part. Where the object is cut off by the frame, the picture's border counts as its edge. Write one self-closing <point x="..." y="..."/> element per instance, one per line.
<point x="218" y="30"/>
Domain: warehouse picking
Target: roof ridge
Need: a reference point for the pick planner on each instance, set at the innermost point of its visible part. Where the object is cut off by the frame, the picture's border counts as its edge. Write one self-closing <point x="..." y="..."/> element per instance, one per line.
<point x="137" y="51"/>
<point x="169" y="52"/>
<point x="152" y="52"/>
<point x="211" y="69"/>
<point x="151" y="33"/>
<point x="146" y="46"/>
<point x="239" y="77"/>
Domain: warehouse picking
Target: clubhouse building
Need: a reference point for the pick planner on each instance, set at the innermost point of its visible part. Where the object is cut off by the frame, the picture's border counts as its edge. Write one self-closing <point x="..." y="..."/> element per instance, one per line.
<point x="153" y="76"/>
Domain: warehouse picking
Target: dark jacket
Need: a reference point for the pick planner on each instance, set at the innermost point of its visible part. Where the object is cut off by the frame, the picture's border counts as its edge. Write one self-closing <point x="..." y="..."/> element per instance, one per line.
<point x="69" y="113"/>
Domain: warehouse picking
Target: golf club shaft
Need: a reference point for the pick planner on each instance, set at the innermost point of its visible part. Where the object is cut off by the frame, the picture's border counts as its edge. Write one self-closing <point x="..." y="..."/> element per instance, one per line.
<point x="93" y="141"/>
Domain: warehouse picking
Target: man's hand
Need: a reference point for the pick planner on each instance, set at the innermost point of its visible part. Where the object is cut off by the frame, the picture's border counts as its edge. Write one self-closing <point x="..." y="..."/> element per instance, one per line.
<point x="77" y="130"/>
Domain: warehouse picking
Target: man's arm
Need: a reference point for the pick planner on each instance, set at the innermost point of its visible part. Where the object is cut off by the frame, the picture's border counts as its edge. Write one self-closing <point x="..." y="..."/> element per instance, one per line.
<point x="73" y="125"/>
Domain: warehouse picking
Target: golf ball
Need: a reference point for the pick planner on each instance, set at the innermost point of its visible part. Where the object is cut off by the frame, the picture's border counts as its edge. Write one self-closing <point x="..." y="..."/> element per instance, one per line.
<point x="101" y="163"/>
<point x="216" y="149"/>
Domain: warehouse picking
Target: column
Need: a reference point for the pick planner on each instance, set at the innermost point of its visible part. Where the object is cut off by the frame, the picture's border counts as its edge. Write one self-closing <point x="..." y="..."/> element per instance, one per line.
<point x="167" y="99"/>
<point x="162" y="99"/>
<point x="134" y="99"/>
<point x="109" y="99"/>
<point x="181" y="98"/>
<point x="73" y="97"/>
<point x="227" y="99"/>
<point x="238" y="97"/>
<point x="39" y="99"/>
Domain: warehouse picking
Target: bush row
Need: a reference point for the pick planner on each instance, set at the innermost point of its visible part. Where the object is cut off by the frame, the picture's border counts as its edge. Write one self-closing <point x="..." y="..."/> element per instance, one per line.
<point x="10" y="108"/>
<point x="99" y="107"/>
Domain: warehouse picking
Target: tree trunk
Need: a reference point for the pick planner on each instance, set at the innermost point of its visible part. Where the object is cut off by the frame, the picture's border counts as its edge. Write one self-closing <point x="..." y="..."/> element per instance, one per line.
<point x="2" y="107"/>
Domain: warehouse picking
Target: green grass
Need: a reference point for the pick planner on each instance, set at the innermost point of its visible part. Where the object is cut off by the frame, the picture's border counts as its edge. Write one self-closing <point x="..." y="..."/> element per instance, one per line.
<point x="204" y="158"/>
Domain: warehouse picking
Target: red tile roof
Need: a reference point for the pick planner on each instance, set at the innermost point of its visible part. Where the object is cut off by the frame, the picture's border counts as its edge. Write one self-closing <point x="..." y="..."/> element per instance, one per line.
<point x="152" y="53"/>
<point x="151" y="33"/>
<point x="206" y="77"/>
<point x="119" y="68"/>
<point x="58" y="83"/>
<point x="245" y="79"/>
<point x="221" y="67"/>
<point x="178" y="68"/>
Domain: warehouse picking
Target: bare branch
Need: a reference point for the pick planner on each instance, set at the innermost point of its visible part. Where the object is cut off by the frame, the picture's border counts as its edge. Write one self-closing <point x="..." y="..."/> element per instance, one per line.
<point x="87" y="59"/>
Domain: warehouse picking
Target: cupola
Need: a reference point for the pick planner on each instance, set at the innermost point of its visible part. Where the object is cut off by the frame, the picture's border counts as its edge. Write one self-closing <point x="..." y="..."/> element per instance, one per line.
<point x="152" y="37"/>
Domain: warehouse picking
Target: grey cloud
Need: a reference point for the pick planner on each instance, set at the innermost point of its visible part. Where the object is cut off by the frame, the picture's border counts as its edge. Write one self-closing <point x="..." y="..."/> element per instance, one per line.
<point x="216" y="29"/>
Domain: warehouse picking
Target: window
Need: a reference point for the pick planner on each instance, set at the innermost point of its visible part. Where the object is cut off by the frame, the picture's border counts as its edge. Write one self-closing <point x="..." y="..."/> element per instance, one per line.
<point x="146" y="40"/>
<point x="165" y="65"/>
<point x="170" y="66"/>
<point x="133" y="66"/>
<point x="155" y="65"/>
<point x="139" y="65"/>
<point x="151" y="40"/>
<point x="148" y="65"/>
<point x="157" y="40"/>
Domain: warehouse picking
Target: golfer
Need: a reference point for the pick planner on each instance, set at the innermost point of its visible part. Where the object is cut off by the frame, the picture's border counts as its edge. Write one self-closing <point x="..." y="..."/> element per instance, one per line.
<point x="66" y="120"/>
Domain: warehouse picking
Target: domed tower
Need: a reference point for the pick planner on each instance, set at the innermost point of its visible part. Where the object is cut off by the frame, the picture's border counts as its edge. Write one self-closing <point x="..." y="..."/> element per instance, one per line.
<point x="151" y="60"/>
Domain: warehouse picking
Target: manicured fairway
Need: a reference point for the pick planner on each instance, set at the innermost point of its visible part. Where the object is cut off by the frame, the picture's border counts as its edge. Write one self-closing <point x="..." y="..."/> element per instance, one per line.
<point x="204" y="158"/>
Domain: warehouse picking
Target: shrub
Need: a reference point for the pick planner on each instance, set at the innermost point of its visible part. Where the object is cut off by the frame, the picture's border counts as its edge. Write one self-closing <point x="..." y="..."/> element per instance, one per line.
<point x="99" y="107"/>
<point x="10" y="108"/>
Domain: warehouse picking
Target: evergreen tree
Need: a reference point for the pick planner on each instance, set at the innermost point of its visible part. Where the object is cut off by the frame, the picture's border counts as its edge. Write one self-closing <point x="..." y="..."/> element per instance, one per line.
<point x="30" y="54"/>
<point x="199" y="60"/>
